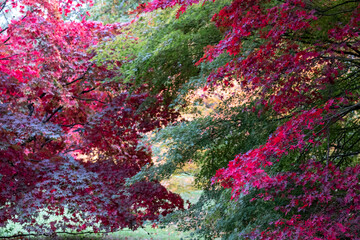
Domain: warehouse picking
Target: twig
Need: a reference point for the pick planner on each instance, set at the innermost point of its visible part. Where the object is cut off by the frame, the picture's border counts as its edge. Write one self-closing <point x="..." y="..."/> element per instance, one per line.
<point x="51" y="115"/>
<point x="89" y="99"/>
<point x="142" y="227"/>
<point x="86" y="91"/>
<point x="79" y="78"/>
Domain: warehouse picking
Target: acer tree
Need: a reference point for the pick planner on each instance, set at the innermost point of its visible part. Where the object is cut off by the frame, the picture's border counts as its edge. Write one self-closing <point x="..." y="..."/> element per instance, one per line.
<point x="78" y="96"/>
<point x="70" y="134"/>
<point x="298" y="59"/>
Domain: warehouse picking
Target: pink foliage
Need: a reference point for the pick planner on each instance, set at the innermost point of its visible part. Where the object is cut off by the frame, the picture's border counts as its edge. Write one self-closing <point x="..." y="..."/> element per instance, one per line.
<point x="58" y="106"/>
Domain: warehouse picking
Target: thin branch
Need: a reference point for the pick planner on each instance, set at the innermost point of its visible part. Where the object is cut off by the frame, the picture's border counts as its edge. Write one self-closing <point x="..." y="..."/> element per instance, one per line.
<point x="70" y="125"/>
<point x="342" y="59"/>
<point x="79" y="78"/>
<point x="30" y="139"/>
<point x="7" y="58"/>
<point x="6" y="40"/>
<point x="355" y="143"/>
<point x="355" y="54"/>
<point x="337" y="13"/>
<point x="31" y="109"/>
<point x="331" y="120"/>
<point x="88" y="99"/>
<point x="89" y="90"/>
<point x="335" y="6"/>
<point x="346" y="155"/>
<point x="3" y="30"/>
<point x="142" y="227"/>
<point x="46" y="142"/>
<point x="3" y="5"/>
<point x="350" y="109"/>
<point x="353" y="48"/>
<point x="52" y="114"/>
<point x="33" y="160"/>
<point x="343" y="146"/>
<point x="72" y="149"/>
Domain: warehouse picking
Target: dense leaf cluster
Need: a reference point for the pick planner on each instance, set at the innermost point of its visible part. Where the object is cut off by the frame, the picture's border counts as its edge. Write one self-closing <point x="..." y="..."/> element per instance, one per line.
<point x="274" y="132"/>
<point x="298" y="59"/>
<point x="70" y="135"/>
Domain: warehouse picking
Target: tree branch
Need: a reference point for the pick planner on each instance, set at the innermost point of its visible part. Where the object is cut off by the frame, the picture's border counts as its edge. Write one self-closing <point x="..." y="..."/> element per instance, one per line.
<point x="346" y="155"/>
<point x="7" y="58"/>
<point x="3" y="5"/>
<point x="52" y="114"/>
<point x="31" y="109"/>
<point x="79" y="78"/>
<point x="70" y="125"/>
<point x="6" y="40"/>
<point x="88" y="99"/>
<point x="86" y="91"/>
<point x="336" y="6"/>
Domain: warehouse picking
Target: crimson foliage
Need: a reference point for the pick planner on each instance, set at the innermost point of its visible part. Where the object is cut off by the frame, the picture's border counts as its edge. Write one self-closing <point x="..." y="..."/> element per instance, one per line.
<point x="302" y="59"/>
<point x="70" y="136"/>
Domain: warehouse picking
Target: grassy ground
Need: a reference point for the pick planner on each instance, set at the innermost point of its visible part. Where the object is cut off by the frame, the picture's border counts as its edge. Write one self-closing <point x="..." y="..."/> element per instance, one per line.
<point x="181" y="183"/>
<point x="147" y="233"/>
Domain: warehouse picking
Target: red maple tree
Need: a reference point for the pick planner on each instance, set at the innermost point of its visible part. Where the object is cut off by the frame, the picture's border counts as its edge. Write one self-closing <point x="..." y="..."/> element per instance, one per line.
<point x="70" y="136"/>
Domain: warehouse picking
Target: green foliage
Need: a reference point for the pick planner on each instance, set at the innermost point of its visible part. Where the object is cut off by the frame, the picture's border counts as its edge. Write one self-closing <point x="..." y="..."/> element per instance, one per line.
<point x="211" y="142"/>
<point x="110" y="11"/>
<point x="215" y="215"/>
<point x="160" y="50"/>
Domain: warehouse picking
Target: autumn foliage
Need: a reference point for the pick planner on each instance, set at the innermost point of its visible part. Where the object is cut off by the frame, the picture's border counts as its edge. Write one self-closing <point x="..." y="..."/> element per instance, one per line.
<point x="300" y="58"/>
<point x="71" y="130"/>
<point x="70" y="136"/>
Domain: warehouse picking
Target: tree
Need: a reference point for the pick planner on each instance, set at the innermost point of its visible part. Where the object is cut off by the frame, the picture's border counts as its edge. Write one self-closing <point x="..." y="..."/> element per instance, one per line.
<point x="161" y="52"/>
<point x="300" y="59"/>
<point x="70" y="134"/>
<point x="110" y="11"/>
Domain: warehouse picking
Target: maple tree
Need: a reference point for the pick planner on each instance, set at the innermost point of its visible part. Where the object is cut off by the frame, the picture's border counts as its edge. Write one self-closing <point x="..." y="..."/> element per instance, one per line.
<point x="300" y="59"/>
<point x="77" y="97"/>
<point x="70" y="135"/>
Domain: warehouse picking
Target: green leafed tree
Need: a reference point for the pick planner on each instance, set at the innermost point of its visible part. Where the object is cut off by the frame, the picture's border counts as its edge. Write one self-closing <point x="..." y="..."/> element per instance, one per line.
<point x="161" y="51"/>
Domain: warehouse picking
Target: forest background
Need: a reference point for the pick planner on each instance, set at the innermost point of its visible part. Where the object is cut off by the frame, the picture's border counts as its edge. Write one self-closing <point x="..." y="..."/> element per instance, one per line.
<point x="258" y="100"/>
